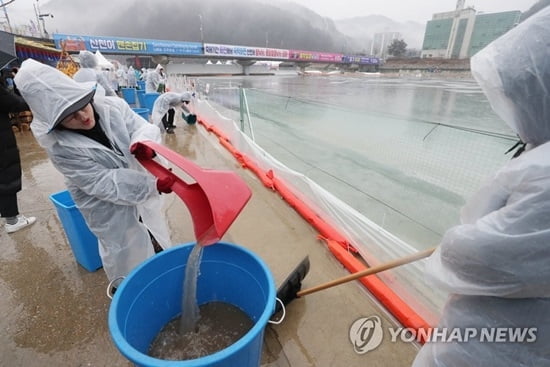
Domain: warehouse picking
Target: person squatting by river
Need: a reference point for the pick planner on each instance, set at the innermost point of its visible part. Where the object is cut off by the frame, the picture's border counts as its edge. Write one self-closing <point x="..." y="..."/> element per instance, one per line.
<point x="88" y="138"/>
<point x="495" y="264"/>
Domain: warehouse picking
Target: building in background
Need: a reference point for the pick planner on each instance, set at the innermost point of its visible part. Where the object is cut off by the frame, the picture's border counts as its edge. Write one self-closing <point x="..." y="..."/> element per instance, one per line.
<point x="489" y="27"/>
<point x="380" y="43"/>
<point x="460" y="33"/>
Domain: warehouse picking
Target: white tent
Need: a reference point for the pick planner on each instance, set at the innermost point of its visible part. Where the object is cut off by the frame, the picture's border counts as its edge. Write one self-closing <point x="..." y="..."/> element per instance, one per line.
<point x="102" y="62"/>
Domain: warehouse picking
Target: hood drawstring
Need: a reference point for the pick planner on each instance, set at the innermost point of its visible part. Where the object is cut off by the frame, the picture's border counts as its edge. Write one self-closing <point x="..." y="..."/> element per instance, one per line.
<point x="521" y="148"/>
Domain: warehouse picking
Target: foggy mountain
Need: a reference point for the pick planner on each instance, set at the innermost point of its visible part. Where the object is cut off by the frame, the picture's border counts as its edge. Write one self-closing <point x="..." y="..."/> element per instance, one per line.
<point x="364" y="29"/>
<point x="239" y="22"/>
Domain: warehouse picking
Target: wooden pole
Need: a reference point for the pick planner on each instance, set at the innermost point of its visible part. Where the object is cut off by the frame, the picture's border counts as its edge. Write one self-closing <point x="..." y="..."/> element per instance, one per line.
<point x="369" y="271"/>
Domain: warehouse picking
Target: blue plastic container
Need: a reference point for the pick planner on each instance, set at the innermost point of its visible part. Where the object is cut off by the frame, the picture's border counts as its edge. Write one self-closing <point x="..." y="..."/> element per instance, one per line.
<point x="149" y="99"/>
<point x="141" y="84"/>
<point x="143" y="112"/>
<point x="83" y="242"/>
<point x="141" y="97"/>
<point x="151" y="296"/>
<point x="129" y="95"/>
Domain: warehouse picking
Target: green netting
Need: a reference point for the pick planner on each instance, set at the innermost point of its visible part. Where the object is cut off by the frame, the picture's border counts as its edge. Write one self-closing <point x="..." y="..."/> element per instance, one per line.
<point x="411" y="177"/>
<point x="389" y="183"/>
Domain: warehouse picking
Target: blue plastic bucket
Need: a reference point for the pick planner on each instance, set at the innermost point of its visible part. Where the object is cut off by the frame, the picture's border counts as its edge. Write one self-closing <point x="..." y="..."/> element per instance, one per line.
<point x="82" y="241"/>
<point x="151" y="296"/>
<point x="141" y="97"/>
<point x="143" y="112"/>
<point x="129" y="95"/>
<point x="149" y="99"/>
<point x="141" y="84"/>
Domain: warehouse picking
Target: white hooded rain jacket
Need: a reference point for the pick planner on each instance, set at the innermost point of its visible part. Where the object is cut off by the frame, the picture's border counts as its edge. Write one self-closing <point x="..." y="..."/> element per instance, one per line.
<point x="109" y="186"/>
<point x="166" y="101"/>
<point x="496" y="264"/>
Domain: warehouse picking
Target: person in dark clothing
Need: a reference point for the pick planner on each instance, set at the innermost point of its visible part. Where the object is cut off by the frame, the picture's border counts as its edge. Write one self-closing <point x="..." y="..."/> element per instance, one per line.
<point x="14" y="71"/>
<point x="10" y="162"/>
<point x="168" y="121"/>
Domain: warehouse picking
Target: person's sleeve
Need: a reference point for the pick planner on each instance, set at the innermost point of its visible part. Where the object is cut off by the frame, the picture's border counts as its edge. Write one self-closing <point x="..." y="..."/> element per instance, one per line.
<point x="10" y="102"/>
<point x="122" y="186"/>
<point x="504" y="253"/>
<point x="160" y="108"/>
<point x="104" y="82"/>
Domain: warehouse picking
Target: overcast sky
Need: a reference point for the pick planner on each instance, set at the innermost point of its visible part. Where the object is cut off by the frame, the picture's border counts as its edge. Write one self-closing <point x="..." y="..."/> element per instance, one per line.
<point x="21" y="11"/>
<point x="404" y="10"/>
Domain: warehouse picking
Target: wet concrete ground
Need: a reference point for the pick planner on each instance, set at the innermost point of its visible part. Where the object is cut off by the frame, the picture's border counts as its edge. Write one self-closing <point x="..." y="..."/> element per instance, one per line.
<point x="55" y="312"/>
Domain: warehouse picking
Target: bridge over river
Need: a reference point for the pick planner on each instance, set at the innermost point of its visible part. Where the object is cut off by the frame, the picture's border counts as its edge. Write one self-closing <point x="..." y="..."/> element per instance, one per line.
<point x="245" y="56"/>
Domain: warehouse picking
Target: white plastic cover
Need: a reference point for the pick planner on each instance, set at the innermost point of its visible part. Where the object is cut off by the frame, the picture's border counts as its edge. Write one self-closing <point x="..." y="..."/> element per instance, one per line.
<point x="515" y="78"/>
<point x="89" y="72"/>
<point x="102" y="62"/>
<point x="495" y="264"/>
<point x="166" y="101"/>
<point x="132" y="78"/>
<point x="111" y="189"/>
<point x="154" y="79"/>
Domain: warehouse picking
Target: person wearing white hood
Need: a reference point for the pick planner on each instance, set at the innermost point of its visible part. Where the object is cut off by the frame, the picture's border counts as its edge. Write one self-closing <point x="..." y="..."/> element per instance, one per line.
<point x="167" y="101"/>
<point x="88" y="72"/>
<point x="132" y="79"/>
<point x="156" y="80"/>
<point x="89" y="138"/>
<point x="495" y="264"/>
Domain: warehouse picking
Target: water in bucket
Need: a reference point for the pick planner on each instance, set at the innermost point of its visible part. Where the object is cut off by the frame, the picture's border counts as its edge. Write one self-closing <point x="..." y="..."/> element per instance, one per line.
<point x="190" y="310"/>
<point x="198" y="331"/>
<point x="150" y="298"/>
<point x="220" y="325"/>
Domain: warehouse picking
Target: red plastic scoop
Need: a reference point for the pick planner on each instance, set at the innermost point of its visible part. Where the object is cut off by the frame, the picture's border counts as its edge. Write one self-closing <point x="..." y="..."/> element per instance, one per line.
<point x="214" y="200"/>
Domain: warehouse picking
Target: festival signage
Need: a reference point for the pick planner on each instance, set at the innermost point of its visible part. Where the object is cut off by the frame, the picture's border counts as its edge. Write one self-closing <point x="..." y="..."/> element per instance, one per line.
<point x="213" y="49"/>
<point x="135" y="46"/>
<point x="300" y="55"/>
<point x="126" y="45"/>
<point x="362" y="60"/>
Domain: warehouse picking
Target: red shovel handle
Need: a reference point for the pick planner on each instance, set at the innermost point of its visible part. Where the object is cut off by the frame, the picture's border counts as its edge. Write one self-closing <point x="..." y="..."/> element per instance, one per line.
<point x="214" y="200"/>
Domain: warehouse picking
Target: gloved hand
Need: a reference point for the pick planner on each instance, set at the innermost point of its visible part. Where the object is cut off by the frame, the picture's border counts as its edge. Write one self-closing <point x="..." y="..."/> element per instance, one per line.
<point x="191" y="118"/>
<point x="164" y="184"/>
<point x="142" y="152"/>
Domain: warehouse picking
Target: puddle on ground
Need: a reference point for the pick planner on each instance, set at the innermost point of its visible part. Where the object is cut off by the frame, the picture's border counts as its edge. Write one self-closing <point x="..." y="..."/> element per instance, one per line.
<point x="220" y="325"/>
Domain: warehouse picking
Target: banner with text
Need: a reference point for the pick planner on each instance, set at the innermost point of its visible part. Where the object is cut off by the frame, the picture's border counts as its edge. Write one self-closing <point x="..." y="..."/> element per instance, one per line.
<point x="213" y="49"/>
<point x="121" y="45"/>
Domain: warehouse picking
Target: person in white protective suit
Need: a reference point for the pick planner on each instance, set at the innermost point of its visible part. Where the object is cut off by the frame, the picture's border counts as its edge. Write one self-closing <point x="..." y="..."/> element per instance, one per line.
<point x="155" y="80"/>
<point x="166" y="102"/>
<point x="495" y="264"/>
<point x="89" y="139"/>
<point x="121" y="74"/>
<point x="89" y="72"/>
<point x="132" y="78"/>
